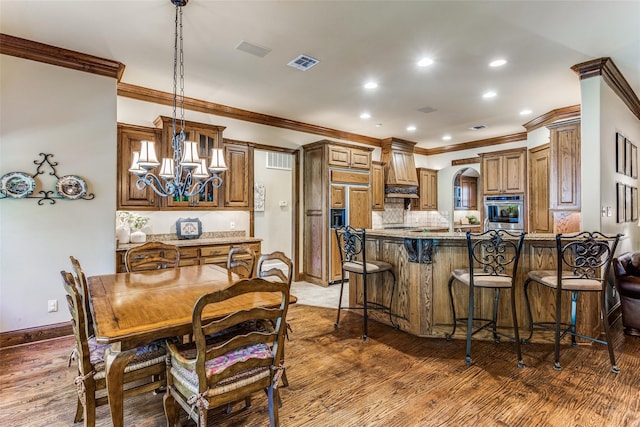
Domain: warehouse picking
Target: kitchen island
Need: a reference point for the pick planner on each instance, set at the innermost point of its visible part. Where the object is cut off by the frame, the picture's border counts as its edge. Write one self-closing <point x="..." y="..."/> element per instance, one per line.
<point x="423" y="263"/>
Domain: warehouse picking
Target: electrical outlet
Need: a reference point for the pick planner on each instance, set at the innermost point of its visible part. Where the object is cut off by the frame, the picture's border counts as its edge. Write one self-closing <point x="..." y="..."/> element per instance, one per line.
<point x="232" y="225"/>
<point x="52" y="305"/>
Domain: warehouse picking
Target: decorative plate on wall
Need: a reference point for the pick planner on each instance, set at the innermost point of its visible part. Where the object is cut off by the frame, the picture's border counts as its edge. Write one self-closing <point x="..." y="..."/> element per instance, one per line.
<point x="71" y="187"/>
<point x="17" y="184"/>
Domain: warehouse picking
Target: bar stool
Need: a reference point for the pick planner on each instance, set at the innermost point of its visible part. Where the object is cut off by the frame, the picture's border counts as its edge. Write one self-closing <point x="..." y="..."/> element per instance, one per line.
<point x="583" y="263"/>
<point x="353" y="259"/>
<point x="493" y="264"/>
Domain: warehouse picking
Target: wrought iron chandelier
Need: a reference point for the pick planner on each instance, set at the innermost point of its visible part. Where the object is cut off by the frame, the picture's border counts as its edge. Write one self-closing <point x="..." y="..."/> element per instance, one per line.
<point x="186" y="174"/>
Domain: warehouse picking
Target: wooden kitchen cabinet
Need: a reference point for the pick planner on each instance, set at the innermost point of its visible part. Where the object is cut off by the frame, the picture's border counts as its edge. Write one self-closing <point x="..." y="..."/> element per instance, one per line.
<point x="238" y="179"/>
<point x="337" y="196"/>
<point x="208" y="137"/>
<point x="427" y="190"/>
<point x="469" y="192"/>
<point x="540" y="218"/>
<point x="377" y="186"/>
<point x="349" y="157"/>
<point x="204" y="253"/>
<point x="564" y="182"/>
<point x="129" y="197"/>
<point x="330" y="182"/>
<point x="504" y="172"/>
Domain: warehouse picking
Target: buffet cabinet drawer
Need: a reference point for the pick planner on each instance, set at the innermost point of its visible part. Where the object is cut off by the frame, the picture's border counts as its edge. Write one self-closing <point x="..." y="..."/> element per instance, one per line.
<point x="210" y="251"/>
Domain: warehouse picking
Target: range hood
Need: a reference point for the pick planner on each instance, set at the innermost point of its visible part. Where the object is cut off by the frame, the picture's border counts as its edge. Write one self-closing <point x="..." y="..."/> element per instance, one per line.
<point x="400" y="176"/>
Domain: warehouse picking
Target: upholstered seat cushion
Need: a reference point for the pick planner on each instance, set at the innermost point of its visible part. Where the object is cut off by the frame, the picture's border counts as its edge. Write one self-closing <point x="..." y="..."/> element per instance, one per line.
<point x="572" y="283"/>
<point x="482" y="280"/>
<point x="186" y="379"/>
<point x="145" y="356"/>
<point x="372" y="266"/>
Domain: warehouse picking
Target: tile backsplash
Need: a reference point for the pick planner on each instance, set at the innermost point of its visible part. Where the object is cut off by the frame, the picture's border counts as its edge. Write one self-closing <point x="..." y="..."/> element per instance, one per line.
<point x="395" y="214"/>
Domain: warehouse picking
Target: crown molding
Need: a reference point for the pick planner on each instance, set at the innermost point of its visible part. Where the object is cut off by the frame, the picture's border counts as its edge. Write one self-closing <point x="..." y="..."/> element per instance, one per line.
<point x="166" y="98"/>
<point x="40" y="52"/>
<point x="516" y="137"/>
<point x="565" y="113"/>
<point x="613" y="77"/>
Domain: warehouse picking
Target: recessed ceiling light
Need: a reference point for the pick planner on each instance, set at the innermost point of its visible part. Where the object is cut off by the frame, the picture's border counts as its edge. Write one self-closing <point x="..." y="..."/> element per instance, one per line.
<point x="365" y="116"/>
<point x="370" y="85"/>
<point x="411" y="128"/>
<point x="477" y="127"/>
<point x="525" y="112"/>
<point x="378" y="125"/>
<point x="425" y="62"/>
<point x="490" y="94"/>
<point x="446" y="138"/>
<point x="497" y="63"/>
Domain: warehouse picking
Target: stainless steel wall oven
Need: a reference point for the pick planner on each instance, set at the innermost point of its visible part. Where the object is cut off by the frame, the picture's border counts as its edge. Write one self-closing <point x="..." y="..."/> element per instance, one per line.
<point x="505" y="212"/>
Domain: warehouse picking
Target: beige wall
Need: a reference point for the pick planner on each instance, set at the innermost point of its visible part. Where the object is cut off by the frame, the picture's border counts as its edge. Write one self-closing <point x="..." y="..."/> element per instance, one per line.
<point x="73" y="116"/>
<point x="604" y="114"/>
<point x="273" y="225"/>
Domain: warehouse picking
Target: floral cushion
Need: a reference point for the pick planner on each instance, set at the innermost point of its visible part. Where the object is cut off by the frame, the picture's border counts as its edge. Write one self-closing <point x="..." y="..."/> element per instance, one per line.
<point x="189" y="378"/>
<point x="148" y="354"/>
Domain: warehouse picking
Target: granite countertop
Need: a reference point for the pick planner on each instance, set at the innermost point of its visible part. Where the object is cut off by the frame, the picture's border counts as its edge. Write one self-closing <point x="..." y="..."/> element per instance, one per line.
<point x="417" y="234"/>
<point x="209" y="239"/>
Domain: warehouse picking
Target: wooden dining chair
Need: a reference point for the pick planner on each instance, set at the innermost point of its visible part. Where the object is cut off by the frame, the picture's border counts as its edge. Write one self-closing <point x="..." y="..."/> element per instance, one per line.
<point x="83" y="288"/>
<point x="583" y="261"/>
<point x="354" y="260"/>
<point x="242" y="261"/>
<point x="223" y="366"/>
<point x="145" y="373"/>
<point x="152" y="256"/>
<point x="493" y="264"/>
<point x="277" y="266"/>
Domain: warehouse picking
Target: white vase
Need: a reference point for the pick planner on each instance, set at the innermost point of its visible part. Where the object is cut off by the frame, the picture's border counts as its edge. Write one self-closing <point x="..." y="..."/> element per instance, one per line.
<point x="122" y="234"/>
<point x="138" y="236"/>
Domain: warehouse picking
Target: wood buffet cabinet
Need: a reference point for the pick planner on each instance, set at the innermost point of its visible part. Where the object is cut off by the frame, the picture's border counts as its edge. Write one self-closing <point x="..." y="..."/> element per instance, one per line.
<point x="237" y="180"/>
<point x="202" y="251"/>
<point x="336" y="176"/>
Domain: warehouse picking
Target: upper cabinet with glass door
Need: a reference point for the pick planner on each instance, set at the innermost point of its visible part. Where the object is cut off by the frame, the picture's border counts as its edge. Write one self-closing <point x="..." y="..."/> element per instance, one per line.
<point x="207" y="137"/>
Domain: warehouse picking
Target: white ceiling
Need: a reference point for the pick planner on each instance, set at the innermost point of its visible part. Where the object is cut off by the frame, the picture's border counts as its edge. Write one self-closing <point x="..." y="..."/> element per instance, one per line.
<point x="355" y="41"/>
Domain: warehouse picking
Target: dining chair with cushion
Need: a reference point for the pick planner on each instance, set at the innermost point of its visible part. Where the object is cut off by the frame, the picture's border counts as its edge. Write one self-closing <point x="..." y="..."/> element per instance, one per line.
<point x="152" y="256"/>
<point x="583" y="261"/>
<point x="83" y="288"/>
<point x="277" y="266"/>
<point x="145" y="373"/>
<point x="224" y="365"/>
<point x="493" y="264"/>
<point x="354" y="260"/>
<point x="242" y="261"/>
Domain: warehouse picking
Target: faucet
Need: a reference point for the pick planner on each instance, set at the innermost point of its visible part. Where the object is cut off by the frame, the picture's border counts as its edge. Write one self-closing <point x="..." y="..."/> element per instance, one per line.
<point x="485" y="227"/>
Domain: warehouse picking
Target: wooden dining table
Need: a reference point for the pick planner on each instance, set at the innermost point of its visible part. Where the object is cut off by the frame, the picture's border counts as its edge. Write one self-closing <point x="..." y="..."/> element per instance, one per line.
<point x="134" y="309"/>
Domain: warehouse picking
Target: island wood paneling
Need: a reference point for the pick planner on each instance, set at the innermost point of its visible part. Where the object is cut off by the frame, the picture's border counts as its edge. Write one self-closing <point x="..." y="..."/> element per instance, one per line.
<point x="421" y="302"/>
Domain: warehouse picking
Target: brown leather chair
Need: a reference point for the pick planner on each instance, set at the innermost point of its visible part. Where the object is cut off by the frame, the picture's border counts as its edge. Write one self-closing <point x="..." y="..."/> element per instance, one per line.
<point x="626" y="270"/>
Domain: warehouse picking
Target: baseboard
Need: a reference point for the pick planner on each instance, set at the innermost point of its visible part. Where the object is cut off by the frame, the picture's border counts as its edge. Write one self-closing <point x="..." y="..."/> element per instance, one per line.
<point x="25" y="336"/>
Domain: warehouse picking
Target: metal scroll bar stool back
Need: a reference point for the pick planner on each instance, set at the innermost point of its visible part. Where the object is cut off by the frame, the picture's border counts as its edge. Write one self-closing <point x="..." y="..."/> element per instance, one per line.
<point x="493" y="264"/>
<point x="353" y="257"/>
<point x="583" y="263"/>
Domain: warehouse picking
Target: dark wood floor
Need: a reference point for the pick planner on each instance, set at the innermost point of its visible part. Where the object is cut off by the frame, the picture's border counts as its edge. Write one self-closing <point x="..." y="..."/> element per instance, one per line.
<point x="394" y="379"/>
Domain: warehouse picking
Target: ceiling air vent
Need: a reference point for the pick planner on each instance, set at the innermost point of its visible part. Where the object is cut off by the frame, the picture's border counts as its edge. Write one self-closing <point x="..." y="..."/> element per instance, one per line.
<point x="253" y="49"/>
<point x="478" y="127"/>
<point x="303" y="62"/>
<point x="427" y="110"/>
